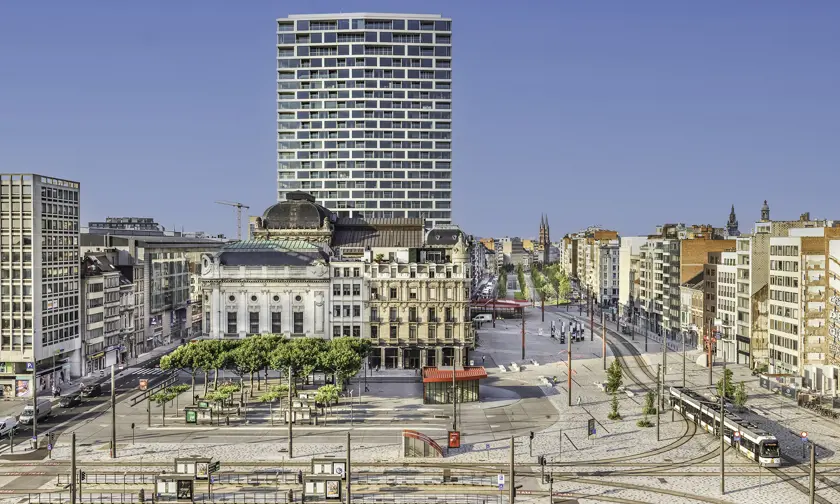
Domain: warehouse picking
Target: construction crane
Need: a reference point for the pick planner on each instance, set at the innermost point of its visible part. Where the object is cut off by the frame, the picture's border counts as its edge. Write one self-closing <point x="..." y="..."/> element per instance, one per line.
<point x="239" y="207"/>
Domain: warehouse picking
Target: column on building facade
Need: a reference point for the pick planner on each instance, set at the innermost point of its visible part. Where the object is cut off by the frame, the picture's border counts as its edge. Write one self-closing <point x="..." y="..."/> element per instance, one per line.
<point x="215" y="311"/>
<point x="265" y="311"/>
<point x="289" y="321"/>
<point x="242" y="311"/>
<point x="319" y="311"/>
<point x="424" y="354"/>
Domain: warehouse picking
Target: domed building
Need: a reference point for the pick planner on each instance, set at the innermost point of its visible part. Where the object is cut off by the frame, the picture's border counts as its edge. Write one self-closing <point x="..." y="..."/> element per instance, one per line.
<point x="307" y="273"/>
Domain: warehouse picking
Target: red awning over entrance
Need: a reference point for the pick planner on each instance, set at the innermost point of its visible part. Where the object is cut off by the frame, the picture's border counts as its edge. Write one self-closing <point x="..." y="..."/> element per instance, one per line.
<point x="436" y="375"/>
<point x="500" y="303"/>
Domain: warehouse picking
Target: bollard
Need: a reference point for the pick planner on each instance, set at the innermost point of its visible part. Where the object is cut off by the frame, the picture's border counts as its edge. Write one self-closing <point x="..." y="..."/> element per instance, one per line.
<point x="227" y="420"/>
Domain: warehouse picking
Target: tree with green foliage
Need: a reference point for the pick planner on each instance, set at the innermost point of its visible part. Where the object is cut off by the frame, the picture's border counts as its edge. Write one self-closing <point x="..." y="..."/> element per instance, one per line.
<point x="342" y="357"/>
<point x="251" y="356"/>
<point x="614" y="377"/>
<point x="730" y="387"/>
<point x="614" y="414"/>
<point x="740" y="396"/>
<point x="644" y="422"/>
<point x="301" y="354"/>
<point x="502" y="285"/>
<point x="183" y="358"/>
<point x="161" y="398"/>
<point x="326" y="396"/>
<point x="649" y="407"/>
<point x="275" y="394"/>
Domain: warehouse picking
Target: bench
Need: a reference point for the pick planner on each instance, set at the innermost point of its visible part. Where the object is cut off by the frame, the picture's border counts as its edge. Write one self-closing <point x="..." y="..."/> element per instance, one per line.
<point x="534" y="362"/>
<point x="515" y="367"/>
<point x="502" y="368"/>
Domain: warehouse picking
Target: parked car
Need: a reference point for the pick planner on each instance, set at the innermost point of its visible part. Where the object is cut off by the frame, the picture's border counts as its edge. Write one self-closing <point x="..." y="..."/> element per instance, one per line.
<point x="42" y="411"/>
<point x="92" y="390"/>
<point x="7" y="425"/>
<point x="483" y="317"/>
<point x="70" y="401"/>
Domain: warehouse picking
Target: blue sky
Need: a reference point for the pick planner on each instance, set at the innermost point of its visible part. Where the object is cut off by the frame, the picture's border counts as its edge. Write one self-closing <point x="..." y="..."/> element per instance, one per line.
<point x="623" y="114"/>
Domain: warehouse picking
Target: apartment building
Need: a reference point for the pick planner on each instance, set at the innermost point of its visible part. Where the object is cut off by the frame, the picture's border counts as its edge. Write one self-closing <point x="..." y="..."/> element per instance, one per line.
<point x="125" y="226"/>
<point x="801" y="311"/>
<point x="607" y="264"/>
<point x="514" y="252"/>
<point x="753" y="276"/>
<point x="628" y="275"/>
<point x="692" y="307"/>
<point x="673" y="255"/>
<point x="726" y="303"/>
<point x="364" y="113"/>
<point x="107" y="313"/>
<point x="40" y="338"/>
<point x="164" y="302"/>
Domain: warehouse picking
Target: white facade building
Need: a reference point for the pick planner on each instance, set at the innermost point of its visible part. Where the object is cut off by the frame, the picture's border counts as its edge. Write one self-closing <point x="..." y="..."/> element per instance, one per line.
<point x="607" y="270"/>
<point x="364" y="113"/>
<point x="726" y="273"/>
<point x="628" y="274"/>
<point x="263" y="286"/>
<point x="39" y="282"/>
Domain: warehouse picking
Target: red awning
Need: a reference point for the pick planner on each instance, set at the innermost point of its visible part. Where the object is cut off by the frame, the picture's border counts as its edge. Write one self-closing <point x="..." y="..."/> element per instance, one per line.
<point x="435" y="375"/>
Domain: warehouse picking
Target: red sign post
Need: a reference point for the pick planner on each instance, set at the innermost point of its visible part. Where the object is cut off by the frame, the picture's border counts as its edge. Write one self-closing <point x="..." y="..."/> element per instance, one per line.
<point x="454" y="439"/>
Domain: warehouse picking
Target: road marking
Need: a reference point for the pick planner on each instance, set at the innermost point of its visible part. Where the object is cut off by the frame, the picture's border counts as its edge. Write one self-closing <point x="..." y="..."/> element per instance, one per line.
<point x="494" y="426"/>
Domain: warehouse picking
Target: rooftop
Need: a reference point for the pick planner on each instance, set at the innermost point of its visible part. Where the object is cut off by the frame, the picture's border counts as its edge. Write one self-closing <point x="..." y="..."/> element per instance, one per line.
<point x="257" y="245"/>
<point x="377" y="15"/>
<point x="390" y="233"/>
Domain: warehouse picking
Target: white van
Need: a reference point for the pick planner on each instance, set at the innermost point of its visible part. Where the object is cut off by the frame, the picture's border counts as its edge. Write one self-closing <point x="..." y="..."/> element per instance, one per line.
<point x="484" y="317"/>
<point x="43" y="411"/>
<point x="6" y="425"/>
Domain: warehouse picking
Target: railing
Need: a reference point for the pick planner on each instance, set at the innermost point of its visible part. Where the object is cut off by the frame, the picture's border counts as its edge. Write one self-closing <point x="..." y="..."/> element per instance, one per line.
<point x="117" y="478"/>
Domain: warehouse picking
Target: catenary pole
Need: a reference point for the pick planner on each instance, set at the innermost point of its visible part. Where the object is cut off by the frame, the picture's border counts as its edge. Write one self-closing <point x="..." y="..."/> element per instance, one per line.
<point x="114" y="413"/>
<point x="511" y="489"/>
<point x="722" y="430"/>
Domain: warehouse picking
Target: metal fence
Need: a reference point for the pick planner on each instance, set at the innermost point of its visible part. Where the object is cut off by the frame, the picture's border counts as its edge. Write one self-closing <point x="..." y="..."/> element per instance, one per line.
<point x="414" y="498"/>
<point x="118" y="478"/>
<point x="279" y="478"/>
<point x="64" y="497"/>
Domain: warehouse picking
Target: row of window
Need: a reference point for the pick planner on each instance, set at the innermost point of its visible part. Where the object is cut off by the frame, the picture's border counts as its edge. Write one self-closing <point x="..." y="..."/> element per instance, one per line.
<point x="784" y="311"/>
<point x="362" y="24"/>
<point x="347" y="310"/>
<point x="784" y="265"/>
<point x="364" y="184"/>
<point x="431" y="332"/>
<point x="784" y="250"/>
<point x="384" y="174"/>
<point x="784" y="281"/>
<point x="346" y="289"/>
<point x="787" y="297"/>
<point x="331" y="95"/>
<point x="363" y="144"/>
<point x="394" y="315"/>
<point x="254" y="322"/>
<point x="786" y="327"/>
<point x="399" y="73"/>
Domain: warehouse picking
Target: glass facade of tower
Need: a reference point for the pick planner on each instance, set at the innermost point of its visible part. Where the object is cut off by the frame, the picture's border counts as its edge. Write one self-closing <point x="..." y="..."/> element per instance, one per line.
<point x="364" y="113"/>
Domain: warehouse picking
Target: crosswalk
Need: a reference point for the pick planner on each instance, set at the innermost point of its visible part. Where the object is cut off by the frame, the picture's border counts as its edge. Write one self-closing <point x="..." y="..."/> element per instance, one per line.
<point x="144" y="372"/>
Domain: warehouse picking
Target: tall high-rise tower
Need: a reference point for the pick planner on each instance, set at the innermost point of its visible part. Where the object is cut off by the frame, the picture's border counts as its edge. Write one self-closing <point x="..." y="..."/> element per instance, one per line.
<point x="364" y="113"/>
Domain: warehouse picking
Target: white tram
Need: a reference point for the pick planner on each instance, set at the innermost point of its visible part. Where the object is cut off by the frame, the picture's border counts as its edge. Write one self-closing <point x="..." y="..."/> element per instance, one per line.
<point x="755" y="444"/>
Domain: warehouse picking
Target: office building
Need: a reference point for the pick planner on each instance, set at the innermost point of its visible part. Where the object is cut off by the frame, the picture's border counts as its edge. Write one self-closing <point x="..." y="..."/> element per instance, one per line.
<point x="126" y="226"/>
<point x="364" y="104"/>
<point x="39" y="282"/>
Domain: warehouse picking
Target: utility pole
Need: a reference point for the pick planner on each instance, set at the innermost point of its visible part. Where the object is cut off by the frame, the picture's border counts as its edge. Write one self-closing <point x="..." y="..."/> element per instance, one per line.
<point x="685" y="363"/>
<point x="658" y="409"/>
<point x="291" y="413"/>
<point x="73" y="468"/>
<point x="664" y="369"/>
<point x="494" y="310"/>
<point x="604" y="340"/>
<point x="709" y="360"/>
<point x="523" y="333"/>
<point x="35" y="399"/>
<point x="114" y="413"/>
<point x="722" y="430"/>
<point x="511" y="489"/>
<point x="347" y="472"/>
<point x="569" y="362"/>
<point x="454" y="399"/>
<point x="812" y="493"/>
<point x="592" y="318"/>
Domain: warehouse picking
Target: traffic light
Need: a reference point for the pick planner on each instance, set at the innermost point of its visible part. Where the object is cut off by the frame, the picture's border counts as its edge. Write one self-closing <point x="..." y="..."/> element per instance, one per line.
<point x="532" y="434"/>
<point x="82" y="475"/>
<point x="300" y="477"/>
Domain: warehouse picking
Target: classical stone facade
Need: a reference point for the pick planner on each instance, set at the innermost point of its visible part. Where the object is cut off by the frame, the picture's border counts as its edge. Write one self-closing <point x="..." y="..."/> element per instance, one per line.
<point x="308" y="273"/>
<point x="266" y="286"/>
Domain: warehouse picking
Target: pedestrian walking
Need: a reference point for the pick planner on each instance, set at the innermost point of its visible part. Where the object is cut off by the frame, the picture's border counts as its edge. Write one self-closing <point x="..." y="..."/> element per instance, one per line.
<point x="578" y="402"/>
